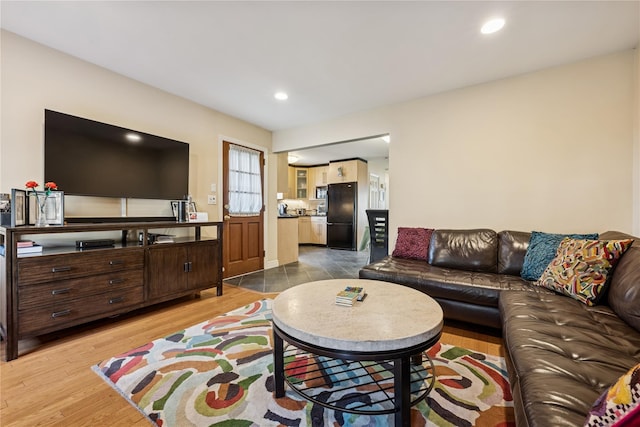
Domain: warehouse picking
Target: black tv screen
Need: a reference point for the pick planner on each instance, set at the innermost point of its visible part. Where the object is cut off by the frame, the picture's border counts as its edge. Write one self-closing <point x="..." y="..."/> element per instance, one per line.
<point x="89" y="158"/>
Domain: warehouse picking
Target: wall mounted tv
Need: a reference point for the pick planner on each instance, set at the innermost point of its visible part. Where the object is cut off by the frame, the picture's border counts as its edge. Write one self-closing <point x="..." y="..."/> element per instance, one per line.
<point x="89" y="158"/>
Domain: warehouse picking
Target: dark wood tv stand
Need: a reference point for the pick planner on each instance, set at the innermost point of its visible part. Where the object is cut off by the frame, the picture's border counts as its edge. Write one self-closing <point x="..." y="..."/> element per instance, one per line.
<point x="63" y="286"/>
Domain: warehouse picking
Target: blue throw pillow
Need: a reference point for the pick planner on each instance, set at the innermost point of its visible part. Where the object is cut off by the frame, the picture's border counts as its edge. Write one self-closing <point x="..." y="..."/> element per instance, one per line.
<point x="542" y="250"/>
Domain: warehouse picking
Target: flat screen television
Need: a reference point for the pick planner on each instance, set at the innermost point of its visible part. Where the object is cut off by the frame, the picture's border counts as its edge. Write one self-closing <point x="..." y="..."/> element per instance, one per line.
<point x="89" y="158"/>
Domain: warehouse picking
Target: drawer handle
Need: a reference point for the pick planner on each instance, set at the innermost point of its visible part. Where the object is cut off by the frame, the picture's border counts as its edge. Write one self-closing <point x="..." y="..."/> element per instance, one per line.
<point x="115" y="281"/>
<point x="60" y="269"/>
<point x="116" y="300"/>
<point x="116" y="262"/>
<point x="60" y="313"/>
<point x="60" y="291"/>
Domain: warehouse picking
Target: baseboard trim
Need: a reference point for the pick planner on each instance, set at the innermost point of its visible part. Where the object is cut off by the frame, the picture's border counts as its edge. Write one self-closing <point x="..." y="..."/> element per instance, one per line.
<point x="271" y="264"/>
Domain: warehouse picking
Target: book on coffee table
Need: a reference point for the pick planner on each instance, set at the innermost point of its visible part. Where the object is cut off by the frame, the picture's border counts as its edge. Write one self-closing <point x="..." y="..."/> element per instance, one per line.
<point x="358" y="289"/>
<point x="350" y="295"/>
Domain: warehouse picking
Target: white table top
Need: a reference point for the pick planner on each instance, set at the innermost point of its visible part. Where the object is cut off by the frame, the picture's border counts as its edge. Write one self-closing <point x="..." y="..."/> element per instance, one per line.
<point x="391" y="317"/>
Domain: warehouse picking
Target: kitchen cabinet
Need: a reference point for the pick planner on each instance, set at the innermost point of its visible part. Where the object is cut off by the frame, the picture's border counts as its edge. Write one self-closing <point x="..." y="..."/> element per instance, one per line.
<point x="301" y="183"/>
<point x="318" y="178"/>
<point x="304" y="230"/>
<point x="319" y="230"/>
<point x="321" y="176"/>
<point x="312" y="230"/>
<point x="311" y="183"/>
<point x="346" y="171"/>
<point x="291" y="193"/>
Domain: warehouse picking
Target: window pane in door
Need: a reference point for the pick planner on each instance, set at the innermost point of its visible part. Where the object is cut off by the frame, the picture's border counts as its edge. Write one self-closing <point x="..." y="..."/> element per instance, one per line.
<point x="245" y="186"/>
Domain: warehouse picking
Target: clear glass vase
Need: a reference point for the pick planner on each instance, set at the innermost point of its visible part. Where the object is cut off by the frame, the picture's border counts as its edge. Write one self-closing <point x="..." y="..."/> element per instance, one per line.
<point x="41" y="211"/>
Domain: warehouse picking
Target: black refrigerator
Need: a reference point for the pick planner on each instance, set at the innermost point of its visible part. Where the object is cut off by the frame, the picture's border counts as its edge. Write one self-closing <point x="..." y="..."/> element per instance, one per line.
<point x="342" y="209"/>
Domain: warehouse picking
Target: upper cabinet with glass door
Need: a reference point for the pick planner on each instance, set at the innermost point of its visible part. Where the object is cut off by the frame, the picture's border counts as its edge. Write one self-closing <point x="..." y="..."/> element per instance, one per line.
<point x="301" y="183"/>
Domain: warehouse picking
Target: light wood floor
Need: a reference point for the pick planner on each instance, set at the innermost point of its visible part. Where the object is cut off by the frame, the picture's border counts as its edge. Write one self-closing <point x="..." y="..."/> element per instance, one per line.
<point x="52" y="383"/>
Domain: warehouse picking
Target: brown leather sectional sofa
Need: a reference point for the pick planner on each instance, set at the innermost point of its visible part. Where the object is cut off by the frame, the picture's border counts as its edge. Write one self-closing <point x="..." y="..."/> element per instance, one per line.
<point x="561" y="354"/>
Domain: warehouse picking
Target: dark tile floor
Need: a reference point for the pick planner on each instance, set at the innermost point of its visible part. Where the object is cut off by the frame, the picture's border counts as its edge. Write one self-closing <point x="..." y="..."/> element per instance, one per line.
<point x="314" y="263"/>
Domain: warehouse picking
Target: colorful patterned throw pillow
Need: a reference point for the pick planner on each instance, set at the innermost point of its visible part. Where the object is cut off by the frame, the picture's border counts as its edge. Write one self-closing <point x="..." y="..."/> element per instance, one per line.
<point x="542" y="249"/>
<point x="413" y="243"/>
<point x="620" y="404"/>
<point x="581" y="268"/>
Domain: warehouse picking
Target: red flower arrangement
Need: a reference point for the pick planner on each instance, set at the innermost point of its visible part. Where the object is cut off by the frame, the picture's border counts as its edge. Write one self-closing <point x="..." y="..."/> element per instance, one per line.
<point x="48" y="187"/>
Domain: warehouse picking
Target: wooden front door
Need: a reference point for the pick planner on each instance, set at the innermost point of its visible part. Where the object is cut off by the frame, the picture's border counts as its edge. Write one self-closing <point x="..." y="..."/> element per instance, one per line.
<point x="243" y="250"/>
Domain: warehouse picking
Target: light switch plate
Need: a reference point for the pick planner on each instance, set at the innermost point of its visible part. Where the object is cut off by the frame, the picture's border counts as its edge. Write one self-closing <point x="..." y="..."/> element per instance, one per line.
<point x="213" y="187"/>
<point x="212" y="199"/>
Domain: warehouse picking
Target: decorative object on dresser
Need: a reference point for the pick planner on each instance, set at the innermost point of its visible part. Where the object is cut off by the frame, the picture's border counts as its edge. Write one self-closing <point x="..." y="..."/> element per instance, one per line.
<point x="18" y="207"/>
<point x="5" y="209"/>
<point x="45" y="207"/>
<point x="179" y="209"/>
<point x="65" y="285"/>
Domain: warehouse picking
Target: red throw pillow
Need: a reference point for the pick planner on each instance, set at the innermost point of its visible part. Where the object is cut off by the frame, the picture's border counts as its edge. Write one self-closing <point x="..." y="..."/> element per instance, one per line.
<point x="413" y="243"/>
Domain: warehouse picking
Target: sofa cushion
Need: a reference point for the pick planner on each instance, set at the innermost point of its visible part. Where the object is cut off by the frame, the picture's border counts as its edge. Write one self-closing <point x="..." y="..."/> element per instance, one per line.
<point x="542" y="249"/>
<point x="438" y="282"/>
<point x="468" y="250"/>
<point x="562" y="355"/>
<point x="512" y="247"/>
<point x="581" y="268"/>
<point x="620" y="403"/>
<point x="412" y="243"/>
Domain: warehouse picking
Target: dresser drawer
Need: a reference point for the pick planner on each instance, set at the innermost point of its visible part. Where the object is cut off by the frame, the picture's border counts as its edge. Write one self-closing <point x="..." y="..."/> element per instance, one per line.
<point x="51" y="268"/>
<point x="62" y="314"/>
<point x="54" y="292"/>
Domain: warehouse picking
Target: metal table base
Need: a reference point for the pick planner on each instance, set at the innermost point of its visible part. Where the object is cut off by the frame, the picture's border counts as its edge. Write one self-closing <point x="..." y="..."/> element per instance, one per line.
<point x="390" y="382"/>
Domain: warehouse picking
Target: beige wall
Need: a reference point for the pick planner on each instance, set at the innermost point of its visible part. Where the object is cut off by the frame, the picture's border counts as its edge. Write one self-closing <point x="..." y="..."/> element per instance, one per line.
<point x="34" y="78"/>
<point x="550" y="150"/>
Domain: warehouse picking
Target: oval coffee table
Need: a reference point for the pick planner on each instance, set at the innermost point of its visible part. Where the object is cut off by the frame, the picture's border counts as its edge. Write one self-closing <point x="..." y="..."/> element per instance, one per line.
<point x="377" y="344"/>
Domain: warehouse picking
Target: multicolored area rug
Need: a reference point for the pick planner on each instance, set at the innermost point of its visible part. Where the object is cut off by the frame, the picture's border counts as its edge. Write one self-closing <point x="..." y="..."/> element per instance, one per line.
<point x="219" y="373"/>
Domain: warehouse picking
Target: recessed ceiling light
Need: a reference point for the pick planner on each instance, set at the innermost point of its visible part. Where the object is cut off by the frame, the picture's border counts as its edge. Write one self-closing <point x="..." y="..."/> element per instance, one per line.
<point x="133" y="137"/>
<point x="492" y="26"/>
<point x="281" y="96"/>
<point x="292" y="159"/>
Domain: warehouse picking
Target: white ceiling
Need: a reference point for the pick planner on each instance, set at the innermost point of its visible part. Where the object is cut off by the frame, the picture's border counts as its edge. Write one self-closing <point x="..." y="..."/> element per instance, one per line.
<point x="332" y="57"/>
